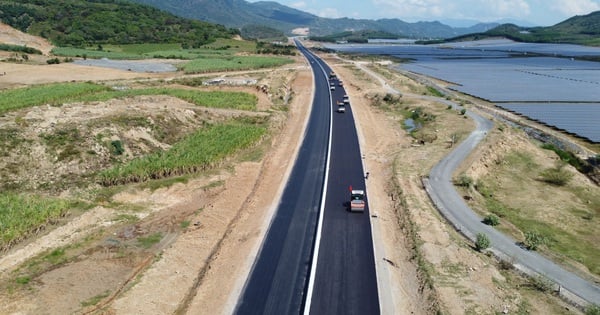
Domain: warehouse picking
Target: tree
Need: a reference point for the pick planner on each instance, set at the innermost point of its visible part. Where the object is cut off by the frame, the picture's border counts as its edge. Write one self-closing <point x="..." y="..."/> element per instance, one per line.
<point x="491" y="219"/>
<point x="482" y="242"/>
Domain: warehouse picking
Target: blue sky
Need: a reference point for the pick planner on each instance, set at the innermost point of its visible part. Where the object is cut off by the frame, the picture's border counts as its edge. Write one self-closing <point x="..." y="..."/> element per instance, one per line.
<point x="535" y="12"/>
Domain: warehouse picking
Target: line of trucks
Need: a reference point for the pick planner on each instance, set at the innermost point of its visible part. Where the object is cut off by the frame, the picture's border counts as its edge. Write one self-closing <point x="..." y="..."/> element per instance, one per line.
<point x="357" y="196"/>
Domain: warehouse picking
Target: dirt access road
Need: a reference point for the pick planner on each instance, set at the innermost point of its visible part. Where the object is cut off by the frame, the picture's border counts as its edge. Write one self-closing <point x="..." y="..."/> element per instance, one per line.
<point x="201" y="268"/>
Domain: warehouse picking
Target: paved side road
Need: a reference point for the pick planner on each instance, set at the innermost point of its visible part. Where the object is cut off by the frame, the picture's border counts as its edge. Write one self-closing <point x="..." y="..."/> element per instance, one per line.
<point x="452" y="206"/>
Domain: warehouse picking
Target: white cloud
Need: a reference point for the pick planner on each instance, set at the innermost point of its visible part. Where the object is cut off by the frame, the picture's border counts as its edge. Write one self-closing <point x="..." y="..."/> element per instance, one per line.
<point x="298" y="5"/>
<point x="472" y="9"/>
<point x="412" y="8"/>
<point x="575" y="7"/>
<point x="328" y="13"/>
<point x="501" y="8"/>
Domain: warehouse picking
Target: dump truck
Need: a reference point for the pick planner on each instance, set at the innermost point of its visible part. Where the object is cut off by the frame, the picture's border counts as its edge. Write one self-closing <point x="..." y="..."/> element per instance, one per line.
<point x="357" y="200"/>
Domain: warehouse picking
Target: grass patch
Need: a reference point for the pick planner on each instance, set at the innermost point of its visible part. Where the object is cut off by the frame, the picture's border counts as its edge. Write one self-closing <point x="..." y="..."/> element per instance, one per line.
<point x="23" y="280"/>
<point x="150" y="240"/>
<point x="57" y="256"/>
<point x="53" y="94"/>
<point x="95" y="299"/>
<point x="22" y="215"/>
<point x="200" y="151"/>
<point x="575" y="244"/>
<point x="57" y="94"/>
<point x="434" y="92"/>
<point x="202" y="65"/>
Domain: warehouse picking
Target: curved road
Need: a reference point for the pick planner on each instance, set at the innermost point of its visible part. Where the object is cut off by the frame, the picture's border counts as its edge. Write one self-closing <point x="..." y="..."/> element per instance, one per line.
<point x="442" y="192"/>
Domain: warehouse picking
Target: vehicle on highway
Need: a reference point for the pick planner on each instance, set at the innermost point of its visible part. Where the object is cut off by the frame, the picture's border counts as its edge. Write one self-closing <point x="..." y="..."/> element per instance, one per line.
<point x="346" y="99"/>
<point x="341" y="107"/>
<point x="357" y="200"/>
<point x="332" y="87"/>
<point x="340" y="83"/>
<point x="332" y="76"/>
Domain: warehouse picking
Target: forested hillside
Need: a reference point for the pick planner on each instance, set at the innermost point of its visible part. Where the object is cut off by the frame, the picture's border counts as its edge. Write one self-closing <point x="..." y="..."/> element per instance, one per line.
<point x="583" y="30"/>
<point x="83" y="23"/>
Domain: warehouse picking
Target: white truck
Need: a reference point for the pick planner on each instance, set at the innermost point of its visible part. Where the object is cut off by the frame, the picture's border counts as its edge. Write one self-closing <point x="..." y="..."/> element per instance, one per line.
<point x="341" y="107"/>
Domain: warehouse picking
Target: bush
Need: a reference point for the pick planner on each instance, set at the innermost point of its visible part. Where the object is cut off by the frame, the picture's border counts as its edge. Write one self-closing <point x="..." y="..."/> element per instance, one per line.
<point x="491" y="219"/>
<point x="541" y="283"/>
<point x="117" y="147"/>
<point x="482" y="242"/>
<point x="556" y="176"/>
<point x="533" y="240"/>
<point x="464" y="181"/>
<point x="463" y="111"/>
<point x="53" y="61"/>
<point x="592" y="310"/>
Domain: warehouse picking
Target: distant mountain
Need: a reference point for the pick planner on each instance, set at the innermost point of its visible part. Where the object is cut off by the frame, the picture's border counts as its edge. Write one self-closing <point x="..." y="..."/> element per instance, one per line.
<point x="239" y="13"/>
<point x="583" y="30"/>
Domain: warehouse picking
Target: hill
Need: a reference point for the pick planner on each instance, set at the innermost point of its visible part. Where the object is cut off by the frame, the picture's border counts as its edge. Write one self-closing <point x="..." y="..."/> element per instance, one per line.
<point x="83" y="23"/>
<point x="239" y="13"/>
<point x="583" y="30"/>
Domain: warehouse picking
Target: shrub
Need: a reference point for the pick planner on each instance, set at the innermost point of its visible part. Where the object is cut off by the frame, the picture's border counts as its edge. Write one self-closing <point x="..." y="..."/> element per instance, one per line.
<point x="117" y="147"/>
<point x="491" y="219"/>
<point x="464" y="181"/>
<point x="53" y="61"/>
<point x="541" y="283"/>
<point x="592" y="310"/>
<point x="483" y="189"/>
<point x="556" y="175"/>
<point x="482" y="242"/>
<point x="533" y="240"/>
<point x="463" y="111"/>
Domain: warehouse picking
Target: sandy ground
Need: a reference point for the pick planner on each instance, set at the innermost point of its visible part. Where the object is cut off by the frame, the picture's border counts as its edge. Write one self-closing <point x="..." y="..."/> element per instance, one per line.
<point x="201" y="269"/>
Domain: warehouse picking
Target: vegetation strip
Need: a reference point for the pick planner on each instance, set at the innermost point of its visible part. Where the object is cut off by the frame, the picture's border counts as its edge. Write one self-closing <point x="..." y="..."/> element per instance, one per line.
<point x="22" y="215"/>
<point x="234" y="63"/>
<point x="56" y="94"/>
<point x="200" y="151"/>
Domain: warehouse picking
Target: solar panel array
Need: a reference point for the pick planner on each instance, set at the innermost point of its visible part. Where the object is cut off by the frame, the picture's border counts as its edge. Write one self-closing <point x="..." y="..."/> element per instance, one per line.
<point x="541" y="81"/>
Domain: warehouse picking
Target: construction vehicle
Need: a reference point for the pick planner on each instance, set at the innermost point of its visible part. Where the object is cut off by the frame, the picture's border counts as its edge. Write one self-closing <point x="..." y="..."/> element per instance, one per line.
<point x="357" y="200"/>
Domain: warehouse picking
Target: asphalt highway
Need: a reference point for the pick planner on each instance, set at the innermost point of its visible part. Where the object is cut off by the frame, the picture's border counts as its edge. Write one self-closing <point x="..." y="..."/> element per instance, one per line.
<point x="313" y="208"/>
<point x="277" y="282"/>
<point x="345" y="280"/>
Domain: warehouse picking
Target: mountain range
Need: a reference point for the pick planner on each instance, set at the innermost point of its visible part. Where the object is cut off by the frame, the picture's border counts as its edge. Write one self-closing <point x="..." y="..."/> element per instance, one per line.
<point x="240" y="13"/>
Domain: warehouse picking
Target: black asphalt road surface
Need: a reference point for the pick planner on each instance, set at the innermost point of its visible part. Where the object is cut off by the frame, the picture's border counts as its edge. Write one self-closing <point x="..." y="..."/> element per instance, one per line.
<point x="345" y="281"/>
<point x="277" y="282"/>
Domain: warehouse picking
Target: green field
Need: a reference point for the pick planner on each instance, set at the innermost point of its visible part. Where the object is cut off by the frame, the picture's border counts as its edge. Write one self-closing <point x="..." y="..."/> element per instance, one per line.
<point x="53" y="94"/>
<point x="234" y="63"/>
<point x="201" y="151"/>
<point x="21" y="215"/>
<point x="60" y="93"/>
